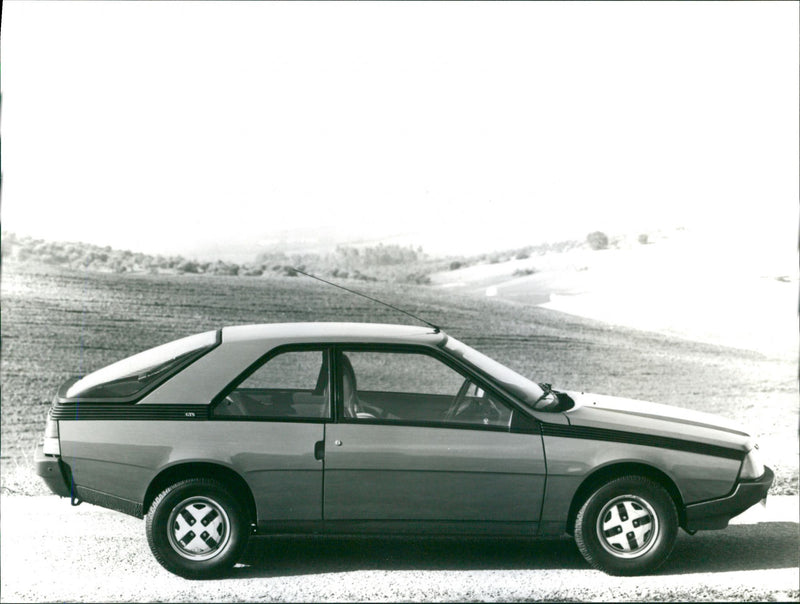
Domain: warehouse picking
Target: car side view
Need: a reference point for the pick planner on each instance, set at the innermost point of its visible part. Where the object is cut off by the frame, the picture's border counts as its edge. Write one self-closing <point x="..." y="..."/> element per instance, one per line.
<point x="358" y="428"/>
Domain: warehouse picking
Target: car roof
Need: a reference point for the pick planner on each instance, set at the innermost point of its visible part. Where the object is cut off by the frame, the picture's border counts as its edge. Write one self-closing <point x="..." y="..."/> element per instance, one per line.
<point x="333" y="332"/>
<point x="243" y="345"/>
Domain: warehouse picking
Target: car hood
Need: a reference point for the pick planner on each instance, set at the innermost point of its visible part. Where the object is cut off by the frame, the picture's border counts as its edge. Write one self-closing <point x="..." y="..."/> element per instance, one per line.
<point x="642" y="417"/>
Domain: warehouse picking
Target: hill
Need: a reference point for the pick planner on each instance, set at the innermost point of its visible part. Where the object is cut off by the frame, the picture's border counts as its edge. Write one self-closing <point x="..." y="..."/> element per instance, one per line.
<point x="680" y="283"/>
<point x="375" y="262"/>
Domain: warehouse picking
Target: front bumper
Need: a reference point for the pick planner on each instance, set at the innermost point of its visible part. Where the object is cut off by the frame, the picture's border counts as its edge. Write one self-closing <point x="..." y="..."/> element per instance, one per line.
<point x="53" y="471"/>
<point x="716" y="513"/>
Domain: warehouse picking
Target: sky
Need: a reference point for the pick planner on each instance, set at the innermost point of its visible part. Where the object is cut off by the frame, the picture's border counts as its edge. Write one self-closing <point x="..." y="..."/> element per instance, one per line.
<point x="219" y="128"/>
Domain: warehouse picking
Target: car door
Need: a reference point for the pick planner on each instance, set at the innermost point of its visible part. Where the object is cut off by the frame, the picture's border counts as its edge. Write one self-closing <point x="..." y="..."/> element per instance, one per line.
<point x="276" y="414"/>
<point x="421" y="446"/>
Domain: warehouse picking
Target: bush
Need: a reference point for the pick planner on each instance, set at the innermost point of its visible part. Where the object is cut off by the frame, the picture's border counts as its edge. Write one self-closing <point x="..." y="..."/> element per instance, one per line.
<point x="419" y="278"/>
<point x="223" y="268"/>
<point x="643" y="239"/>
<point x="522" y="255"/>
<point x="379" y="255"/>
<point x="597" y="240"/>
<point x="523" y="272"/>
<point x="362" y="277"/>
<point x="188" y="266"/>
<point x="455" y="265"/>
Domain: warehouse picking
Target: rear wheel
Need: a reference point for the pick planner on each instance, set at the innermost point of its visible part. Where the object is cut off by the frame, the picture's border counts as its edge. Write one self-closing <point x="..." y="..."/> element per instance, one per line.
<point x="196" y="528"/>
<point x="627" y="526"/>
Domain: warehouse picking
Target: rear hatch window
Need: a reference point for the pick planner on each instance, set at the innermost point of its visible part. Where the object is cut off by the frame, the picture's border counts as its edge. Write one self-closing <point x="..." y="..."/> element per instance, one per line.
<point x="129" y="377"/>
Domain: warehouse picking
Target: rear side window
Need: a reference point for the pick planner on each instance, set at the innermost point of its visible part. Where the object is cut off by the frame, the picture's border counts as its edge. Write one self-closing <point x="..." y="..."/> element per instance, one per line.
<point x="131" y="376"/>
<point x="292" y="385"/>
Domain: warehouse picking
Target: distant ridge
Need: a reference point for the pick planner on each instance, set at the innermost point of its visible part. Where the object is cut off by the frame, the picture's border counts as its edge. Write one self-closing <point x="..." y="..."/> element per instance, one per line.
<point x="363" y="260"/>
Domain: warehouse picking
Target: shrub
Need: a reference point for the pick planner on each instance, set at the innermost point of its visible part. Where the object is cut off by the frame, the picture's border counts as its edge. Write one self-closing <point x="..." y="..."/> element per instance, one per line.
<point x="188" y="266"/>
<point x="523" y="272"/>
<point x="597" y="240"/>
<point x="643" y="239"/>
<point x="362" y="277"/>
<point x="223" y="268"/>
<point x="522" y="255"/>
<point x="418" y="277"/>
<point x="117" y="266"/>
<point x="455" y="265"/>
<point x="379" y="255"/>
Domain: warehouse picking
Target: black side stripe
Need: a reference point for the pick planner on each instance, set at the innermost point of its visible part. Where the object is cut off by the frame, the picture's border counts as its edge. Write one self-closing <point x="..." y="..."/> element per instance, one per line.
<point x="633" y="438"/>
<point x="127" y="411"/>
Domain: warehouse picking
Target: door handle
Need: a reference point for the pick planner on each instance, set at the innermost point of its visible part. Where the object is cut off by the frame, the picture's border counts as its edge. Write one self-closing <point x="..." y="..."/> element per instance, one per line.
<point x="319" y="450"/>
<point x="338" y="443"/>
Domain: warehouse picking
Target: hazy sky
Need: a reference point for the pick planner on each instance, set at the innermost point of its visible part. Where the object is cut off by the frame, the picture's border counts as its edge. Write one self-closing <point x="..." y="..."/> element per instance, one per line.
<point x="180" y="126"/>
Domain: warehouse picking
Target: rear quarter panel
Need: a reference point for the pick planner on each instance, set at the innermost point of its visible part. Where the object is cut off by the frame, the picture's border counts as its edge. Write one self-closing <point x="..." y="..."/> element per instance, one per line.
<point x="121" y="458"/>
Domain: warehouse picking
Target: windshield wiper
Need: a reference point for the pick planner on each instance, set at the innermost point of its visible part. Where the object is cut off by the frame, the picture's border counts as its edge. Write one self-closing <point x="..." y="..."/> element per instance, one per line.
<point x="561" y="400"/>
<point x="547" y="389"/>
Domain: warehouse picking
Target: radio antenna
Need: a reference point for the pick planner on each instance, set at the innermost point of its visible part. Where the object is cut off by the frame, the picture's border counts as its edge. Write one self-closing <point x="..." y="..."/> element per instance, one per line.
<point x="436" y="328"/>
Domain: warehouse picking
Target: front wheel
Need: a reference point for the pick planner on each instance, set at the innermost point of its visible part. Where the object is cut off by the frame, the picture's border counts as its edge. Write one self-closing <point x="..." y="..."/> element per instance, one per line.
<point x="627" y="526"/>
<point x="196" y="528"/>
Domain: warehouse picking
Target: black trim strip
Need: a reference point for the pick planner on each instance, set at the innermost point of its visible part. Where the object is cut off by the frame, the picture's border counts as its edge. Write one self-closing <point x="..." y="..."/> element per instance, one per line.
<point x="112" y="502"/>
<point x="438" y="424"/>
<point x="663" y="442"/>
<point x="123" y="411"/>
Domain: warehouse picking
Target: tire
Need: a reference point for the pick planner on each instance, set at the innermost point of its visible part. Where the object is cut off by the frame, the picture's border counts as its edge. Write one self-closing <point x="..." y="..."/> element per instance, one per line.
<point x="179" y="511"/>
<point x="627" y="526"/>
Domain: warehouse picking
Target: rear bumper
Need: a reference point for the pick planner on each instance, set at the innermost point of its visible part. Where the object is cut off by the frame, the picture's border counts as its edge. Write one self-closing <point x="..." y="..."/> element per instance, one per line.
<point x="716" y="513"/>
<point x="53" y="471"/>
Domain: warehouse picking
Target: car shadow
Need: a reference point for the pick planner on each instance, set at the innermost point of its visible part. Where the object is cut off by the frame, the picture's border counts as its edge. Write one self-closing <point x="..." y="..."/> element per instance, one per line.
<point x="285" y="556"/>
<point x="741" y="547"/>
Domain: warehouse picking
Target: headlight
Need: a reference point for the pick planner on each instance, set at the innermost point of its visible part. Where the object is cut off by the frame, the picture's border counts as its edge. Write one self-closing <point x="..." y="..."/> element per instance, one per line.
<point x="752" y="466"/>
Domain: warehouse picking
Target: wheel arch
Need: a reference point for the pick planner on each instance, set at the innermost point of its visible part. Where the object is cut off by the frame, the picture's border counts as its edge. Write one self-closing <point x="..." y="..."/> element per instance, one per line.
<point x="615" y="470"/>
<point x="198" y="469"/>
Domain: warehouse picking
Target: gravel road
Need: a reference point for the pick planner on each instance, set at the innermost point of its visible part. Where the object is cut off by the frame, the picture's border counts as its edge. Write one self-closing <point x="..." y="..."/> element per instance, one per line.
<point x="53" y="552"/>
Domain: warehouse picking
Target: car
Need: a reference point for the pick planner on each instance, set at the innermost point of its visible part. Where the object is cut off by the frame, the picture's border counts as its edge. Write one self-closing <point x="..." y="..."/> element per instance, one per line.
<point x="360" y="428"/>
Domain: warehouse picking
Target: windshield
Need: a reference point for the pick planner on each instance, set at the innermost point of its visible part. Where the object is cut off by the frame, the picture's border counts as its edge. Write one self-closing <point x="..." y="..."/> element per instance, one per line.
<point x="522" y="388"/>
<point x="127" y="377"/>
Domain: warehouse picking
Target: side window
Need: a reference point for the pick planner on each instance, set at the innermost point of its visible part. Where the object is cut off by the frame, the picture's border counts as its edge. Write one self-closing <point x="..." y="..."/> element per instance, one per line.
<point x="291" y="385"/>
<point x="414" y="387"/>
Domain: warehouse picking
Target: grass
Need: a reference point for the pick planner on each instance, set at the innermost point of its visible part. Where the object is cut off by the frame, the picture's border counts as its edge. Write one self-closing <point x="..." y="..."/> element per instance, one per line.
<point x="60" y="322"/>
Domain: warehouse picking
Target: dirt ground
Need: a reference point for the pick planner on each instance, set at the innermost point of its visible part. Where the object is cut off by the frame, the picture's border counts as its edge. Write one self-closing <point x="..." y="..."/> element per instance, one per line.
<point x="53" y="552"/>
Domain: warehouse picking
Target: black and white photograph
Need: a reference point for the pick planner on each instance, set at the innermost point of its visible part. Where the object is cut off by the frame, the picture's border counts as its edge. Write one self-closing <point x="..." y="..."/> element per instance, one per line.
<point x="361" y="301"/>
